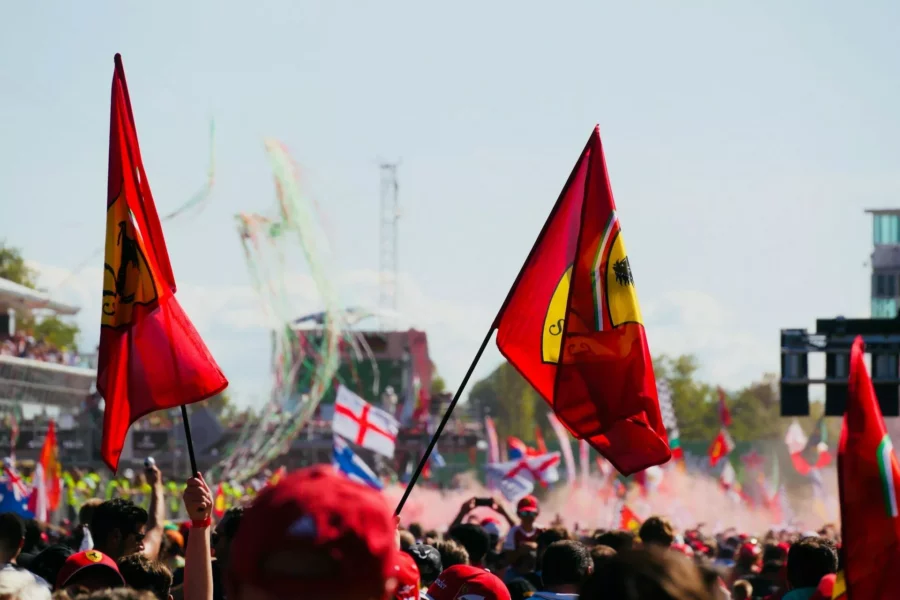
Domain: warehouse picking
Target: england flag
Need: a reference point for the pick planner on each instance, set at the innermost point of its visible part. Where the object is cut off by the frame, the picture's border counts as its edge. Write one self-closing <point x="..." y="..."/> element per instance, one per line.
<point x="364" y="424"/>
<point x="516" y="478"/>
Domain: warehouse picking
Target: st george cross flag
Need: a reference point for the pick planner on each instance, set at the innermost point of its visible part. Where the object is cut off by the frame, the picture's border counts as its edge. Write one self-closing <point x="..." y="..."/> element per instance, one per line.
<point x="516" y="478"/>
<point x="868" y="478"/>
<point x="573" y="328"/>
<point x="350" y="464"/>
<point x="364" y="424"/>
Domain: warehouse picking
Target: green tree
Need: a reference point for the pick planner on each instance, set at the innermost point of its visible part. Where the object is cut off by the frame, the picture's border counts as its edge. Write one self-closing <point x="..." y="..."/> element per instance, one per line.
<point x="220" y="404"/>
<point x="438" y="385"/>
<point x="51" y="328"/>
<point x="510" y="400"/>
<point x="56" y="331"/>
<point x="13" y="267"/>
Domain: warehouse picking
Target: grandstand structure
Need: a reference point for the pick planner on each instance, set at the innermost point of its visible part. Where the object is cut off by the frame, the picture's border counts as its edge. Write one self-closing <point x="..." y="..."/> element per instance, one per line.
<point x="39" y="388"/>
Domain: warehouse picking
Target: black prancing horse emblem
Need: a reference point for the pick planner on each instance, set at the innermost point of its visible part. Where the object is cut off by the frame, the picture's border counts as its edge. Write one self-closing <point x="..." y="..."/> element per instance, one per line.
<point x="623" y="272"/>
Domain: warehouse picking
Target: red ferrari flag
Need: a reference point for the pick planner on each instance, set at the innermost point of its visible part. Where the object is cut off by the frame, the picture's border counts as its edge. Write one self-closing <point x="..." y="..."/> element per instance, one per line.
<point x="724" y="413"/>
<point x="721" y="446"/>
<point x="52" y="472"/>
<point x="573" y="328"/>
<point x="151" y="357"/>
<point x="868" y="477"/>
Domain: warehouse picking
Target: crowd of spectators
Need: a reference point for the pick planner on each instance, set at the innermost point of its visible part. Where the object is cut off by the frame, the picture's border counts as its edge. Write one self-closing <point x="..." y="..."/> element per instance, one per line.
<point x="24" y="345"/>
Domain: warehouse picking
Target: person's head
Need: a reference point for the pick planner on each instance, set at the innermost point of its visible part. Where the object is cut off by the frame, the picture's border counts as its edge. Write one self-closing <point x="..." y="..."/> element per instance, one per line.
<point x="49" y="561"/>
<point x="741" y="590"/>
<point x="452" y="553"/>
<point x="809" y="560"/>
<point x="223" y="535"/>
<point x="617" y="540"/>
<point x="416" y="530"/>
<point x="12" y="536"/>
<point x="90" y="570"/>
<point x="406" y="540"/>
<point x="20" y="585"/>
<point x="314" y="533"/>
<point x="601" y="556"/>
<point x="492" y="527"/>
<point x="428" y="559"/>
<point x="118" y="594"/>
<point x="648" y="573"/>
<point x="117" y="527"/>
<point x="565" y="566"/>
<point x="520" y="589"/>
<point x="547" y="537"/>
<point x="408" y="579"/>
<point x="528" y="511"/>
<point x="141" y="573"/>
<point x="463" y="582"/>
<point x="657" y="531"/>
<point x="474" y="539"/>
<point x="86" y="512"/>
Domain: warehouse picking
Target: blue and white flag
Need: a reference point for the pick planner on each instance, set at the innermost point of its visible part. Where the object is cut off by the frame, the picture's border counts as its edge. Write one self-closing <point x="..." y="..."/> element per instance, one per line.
<point x="347" y="462"/>
<point x="12" y="501"/>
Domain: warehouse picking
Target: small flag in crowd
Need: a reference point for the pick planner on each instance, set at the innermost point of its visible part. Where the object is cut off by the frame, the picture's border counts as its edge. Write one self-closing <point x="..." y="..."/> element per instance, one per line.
<point x="868" y="478"/>
<point x="364" y="424"/>
<point x="628" y="520"/>
<point x="573" y="328"/>
<point x="151" y="356"/>
<point x="667" y="410"/>
<point x="492" y="440"/>
<point x="724" y="413"/>
<point x="721" y="447"/>
<point x="51" y="470"/>
<point x="350" y="464"/>
<point x="12" y="500"/>
<point x="516" y="478"/>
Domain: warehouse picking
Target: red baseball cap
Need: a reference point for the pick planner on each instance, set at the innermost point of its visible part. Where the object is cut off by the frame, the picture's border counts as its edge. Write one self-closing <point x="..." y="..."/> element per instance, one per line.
<point x="465" y="582"/>
<point x="315" y="533"/>
<point x="407" y="573"/>
<point x="89" y="559"/>
<point x="528" y="504"/>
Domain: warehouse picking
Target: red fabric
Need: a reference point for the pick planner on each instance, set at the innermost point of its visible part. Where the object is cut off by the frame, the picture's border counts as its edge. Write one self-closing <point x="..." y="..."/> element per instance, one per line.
<point x="89" y="559"/>
<point x="151" y="357"/>
<point x="572" y="325"/>
<point x="465" y="581"/>
<point x="628" y="520"/>
<point x="868" y="476"/>
<point x="721" y="447"/>
<point x="539" y="440"/>
<point x="724" y="413"/>
<point x="52" y="472"/>
<point x="322" y="520"/>
<point x="408" y="579"/>
<point x="527" y="504"/>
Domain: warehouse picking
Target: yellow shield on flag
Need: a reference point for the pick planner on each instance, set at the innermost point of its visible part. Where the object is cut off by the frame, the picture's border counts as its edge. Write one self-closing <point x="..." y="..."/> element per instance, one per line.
<point x="551" y="335"/>
<point x="621" y="296"/>
<point x="127" y="279"/>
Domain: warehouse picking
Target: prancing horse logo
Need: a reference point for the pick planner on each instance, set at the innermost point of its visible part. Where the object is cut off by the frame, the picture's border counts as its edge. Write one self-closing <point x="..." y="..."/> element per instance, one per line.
<point x="127" y="279"/>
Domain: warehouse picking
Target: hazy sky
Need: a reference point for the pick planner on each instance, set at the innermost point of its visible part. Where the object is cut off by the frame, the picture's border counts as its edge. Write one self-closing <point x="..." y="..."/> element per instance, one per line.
<point x="743" y="142"/>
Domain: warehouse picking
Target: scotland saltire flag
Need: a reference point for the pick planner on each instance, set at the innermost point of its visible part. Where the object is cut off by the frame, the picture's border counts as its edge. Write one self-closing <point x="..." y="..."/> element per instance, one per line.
<point x="347" y="462"/>
<point x="13" y="502"/>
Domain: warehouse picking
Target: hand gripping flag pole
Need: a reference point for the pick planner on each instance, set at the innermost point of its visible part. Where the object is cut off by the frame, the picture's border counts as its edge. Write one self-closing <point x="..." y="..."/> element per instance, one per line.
<point x="572" y="327"/>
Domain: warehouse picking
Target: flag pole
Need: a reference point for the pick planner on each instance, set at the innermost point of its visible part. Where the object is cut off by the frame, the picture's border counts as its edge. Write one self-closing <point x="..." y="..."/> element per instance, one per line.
<point x="188" y="440"/>
<point x="487" y="338"/>
<point x="444" y="420"/>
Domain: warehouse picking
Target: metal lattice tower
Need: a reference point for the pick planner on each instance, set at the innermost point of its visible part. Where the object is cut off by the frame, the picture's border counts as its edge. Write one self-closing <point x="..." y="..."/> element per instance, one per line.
<point x="387" y="258"/>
